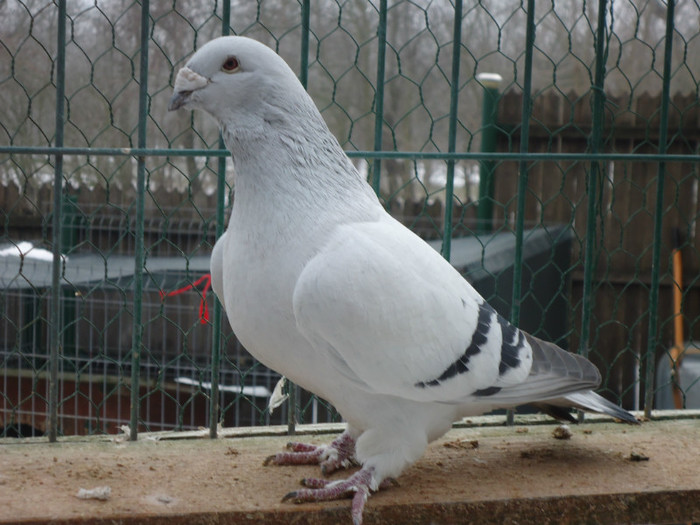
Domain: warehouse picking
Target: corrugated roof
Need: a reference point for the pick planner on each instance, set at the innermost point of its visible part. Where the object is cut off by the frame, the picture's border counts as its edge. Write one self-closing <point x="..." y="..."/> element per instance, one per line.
<point x="20" y="270"/>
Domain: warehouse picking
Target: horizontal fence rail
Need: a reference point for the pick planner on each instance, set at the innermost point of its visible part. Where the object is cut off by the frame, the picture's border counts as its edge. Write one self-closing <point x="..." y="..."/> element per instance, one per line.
<point x="549" y="150"/>
<point x="408" y="155"/>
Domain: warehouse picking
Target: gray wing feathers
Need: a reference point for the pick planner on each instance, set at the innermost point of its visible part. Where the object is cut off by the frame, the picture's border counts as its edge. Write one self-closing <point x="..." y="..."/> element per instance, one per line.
<point x="560" y="379"/>
<point x="554" y="374"/>
<point x="550" y="360"/>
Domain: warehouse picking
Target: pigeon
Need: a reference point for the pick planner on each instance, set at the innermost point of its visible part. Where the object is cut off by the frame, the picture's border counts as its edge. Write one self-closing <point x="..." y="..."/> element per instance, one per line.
<point x="322" y="285"/>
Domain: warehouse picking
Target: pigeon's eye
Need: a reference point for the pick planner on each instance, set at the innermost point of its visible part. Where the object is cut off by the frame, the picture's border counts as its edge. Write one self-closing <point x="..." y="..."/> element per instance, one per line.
<point x="230" y="65"/>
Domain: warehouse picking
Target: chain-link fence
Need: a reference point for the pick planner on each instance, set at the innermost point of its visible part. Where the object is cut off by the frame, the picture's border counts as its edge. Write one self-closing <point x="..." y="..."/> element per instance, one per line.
<point x="548" y="149"/>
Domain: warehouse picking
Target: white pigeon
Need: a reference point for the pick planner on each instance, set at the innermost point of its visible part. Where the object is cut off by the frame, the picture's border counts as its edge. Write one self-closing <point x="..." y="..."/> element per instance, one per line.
<point x="322" y="285"/>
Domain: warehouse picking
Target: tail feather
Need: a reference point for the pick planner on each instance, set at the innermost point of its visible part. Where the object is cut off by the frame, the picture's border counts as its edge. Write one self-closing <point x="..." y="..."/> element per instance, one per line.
<point x="595" y="403"/>
<point x="558" y="381"/>
<point x="589" y="401"/>
<point x="549" y="358"/>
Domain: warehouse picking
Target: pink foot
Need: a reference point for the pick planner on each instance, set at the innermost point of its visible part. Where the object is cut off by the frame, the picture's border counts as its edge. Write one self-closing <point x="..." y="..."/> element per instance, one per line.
<point x="339" y="454"/>
<point x="317" y="483"/>
<point x="358" y="486"/>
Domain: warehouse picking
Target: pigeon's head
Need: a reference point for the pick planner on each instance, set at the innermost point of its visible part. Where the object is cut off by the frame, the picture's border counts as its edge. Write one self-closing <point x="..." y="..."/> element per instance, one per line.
<point x="237" y="80"/>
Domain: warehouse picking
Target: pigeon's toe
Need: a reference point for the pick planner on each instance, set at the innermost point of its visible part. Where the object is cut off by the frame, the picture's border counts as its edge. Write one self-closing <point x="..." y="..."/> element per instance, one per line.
<point x="339" y="454"/>
<point x="358" y="486"/>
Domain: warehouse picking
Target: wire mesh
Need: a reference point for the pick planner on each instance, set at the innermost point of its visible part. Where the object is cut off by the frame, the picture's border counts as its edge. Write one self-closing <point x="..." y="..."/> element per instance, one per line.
<point x="558" y="203"/>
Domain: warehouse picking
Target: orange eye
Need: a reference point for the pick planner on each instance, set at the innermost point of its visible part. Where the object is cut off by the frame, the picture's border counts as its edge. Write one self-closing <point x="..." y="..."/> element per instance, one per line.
<point x="230" y="65"/>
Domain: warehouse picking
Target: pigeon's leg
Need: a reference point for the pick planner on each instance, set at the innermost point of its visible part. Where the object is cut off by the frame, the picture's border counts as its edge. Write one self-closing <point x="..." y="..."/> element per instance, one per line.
<point x="383" y="452"/>
<point x="339" y="454"/>
<point x="358" y="486"/>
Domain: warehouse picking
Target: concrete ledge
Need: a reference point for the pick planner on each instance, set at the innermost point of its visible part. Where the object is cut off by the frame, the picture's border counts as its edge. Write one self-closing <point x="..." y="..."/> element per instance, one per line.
<point x="605" y="473"/>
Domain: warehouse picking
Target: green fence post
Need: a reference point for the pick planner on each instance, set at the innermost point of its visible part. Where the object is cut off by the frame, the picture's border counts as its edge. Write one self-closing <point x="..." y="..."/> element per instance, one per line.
<point x="379" y="95"/>
<point x="220" y="203"/>
<point x="137" y="338"/>
<point x="522" y="172"/>
<point x="595" y="145"/>
<point x="55" y="304"/>
<point x="70" y="222"/>
<point x="489" y="132"/>
<point x="292" y="389"/>
<point x="652" y="339"/>
<point x="452" y="130"/>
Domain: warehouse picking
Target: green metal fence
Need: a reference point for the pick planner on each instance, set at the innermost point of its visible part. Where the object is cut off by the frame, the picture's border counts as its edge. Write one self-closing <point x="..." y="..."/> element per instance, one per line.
<point x="573" y="124"/>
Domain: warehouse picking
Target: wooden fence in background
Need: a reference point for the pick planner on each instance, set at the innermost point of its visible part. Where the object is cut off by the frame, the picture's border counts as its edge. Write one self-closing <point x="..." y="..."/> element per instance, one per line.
<point x="625" y="209"/>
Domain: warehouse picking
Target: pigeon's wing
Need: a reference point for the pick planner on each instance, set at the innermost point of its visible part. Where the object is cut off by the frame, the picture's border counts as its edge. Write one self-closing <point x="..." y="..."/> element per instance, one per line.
<point x="399" y="320"/>
<point x="395" y="315"/>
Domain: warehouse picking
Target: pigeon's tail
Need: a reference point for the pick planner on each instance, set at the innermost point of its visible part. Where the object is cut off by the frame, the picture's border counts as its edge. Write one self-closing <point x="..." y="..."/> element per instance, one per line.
<point x="586" y="400"/>
<point x="562" y="380"/>
<point x="595" y="403"/>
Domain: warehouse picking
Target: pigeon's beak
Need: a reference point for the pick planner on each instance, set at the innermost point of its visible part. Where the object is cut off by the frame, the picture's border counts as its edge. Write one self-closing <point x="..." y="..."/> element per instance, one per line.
<point x="186" y="83"/>
<point x="178" y="100"/>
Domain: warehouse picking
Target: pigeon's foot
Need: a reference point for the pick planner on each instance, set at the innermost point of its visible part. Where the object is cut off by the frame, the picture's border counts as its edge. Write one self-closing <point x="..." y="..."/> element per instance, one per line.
<point x="339" y="454"/>
<point x="358" y="486"/>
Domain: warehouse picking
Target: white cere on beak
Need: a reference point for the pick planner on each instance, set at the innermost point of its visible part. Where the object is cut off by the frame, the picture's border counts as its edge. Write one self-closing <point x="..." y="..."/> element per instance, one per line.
<point x="188" y="80"/>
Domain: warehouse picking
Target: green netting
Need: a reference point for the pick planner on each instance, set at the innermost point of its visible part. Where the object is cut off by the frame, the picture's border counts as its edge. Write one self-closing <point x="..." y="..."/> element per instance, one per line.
<point x="548" y="149"/>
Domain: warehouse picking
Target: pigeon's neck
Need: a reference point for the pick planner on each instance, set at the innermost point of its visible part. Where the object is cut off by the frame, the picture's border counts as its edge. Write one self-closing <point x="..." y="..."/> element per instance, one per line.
<point x="298" y="170"/>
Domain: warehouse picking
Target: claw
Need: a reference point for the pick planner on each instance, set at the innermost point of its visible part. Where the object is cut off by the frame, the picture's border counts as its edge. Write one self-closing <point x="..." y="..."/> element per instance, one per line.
<point x="291" y="496"/>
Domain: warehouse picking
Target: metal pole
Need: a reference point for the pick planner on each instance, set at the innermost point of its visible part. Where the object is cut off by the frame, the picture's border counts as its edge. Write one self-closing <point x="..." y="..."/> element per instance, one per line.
<point x="292" y="389"/>
<point x="452" y="130"/>
<point x="305" y="30"/>
<point x="360" y="154"/>
<point x="595" y="173"/>
<point x="652" y="339"/>
<point x="216" y="320"/>
<point x="137" y="337"/>
<point x="522" y="172"/>
<point x="489" y="115"/>
<point x="379" y="95"/>
<point x="55" y="349"/>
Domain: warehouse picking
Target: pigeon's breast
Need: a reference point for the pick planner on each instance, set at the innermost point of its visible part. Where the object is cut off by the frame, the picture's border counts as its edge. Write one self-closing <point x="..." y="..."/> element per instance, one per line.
<point x="259" y="277"/>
